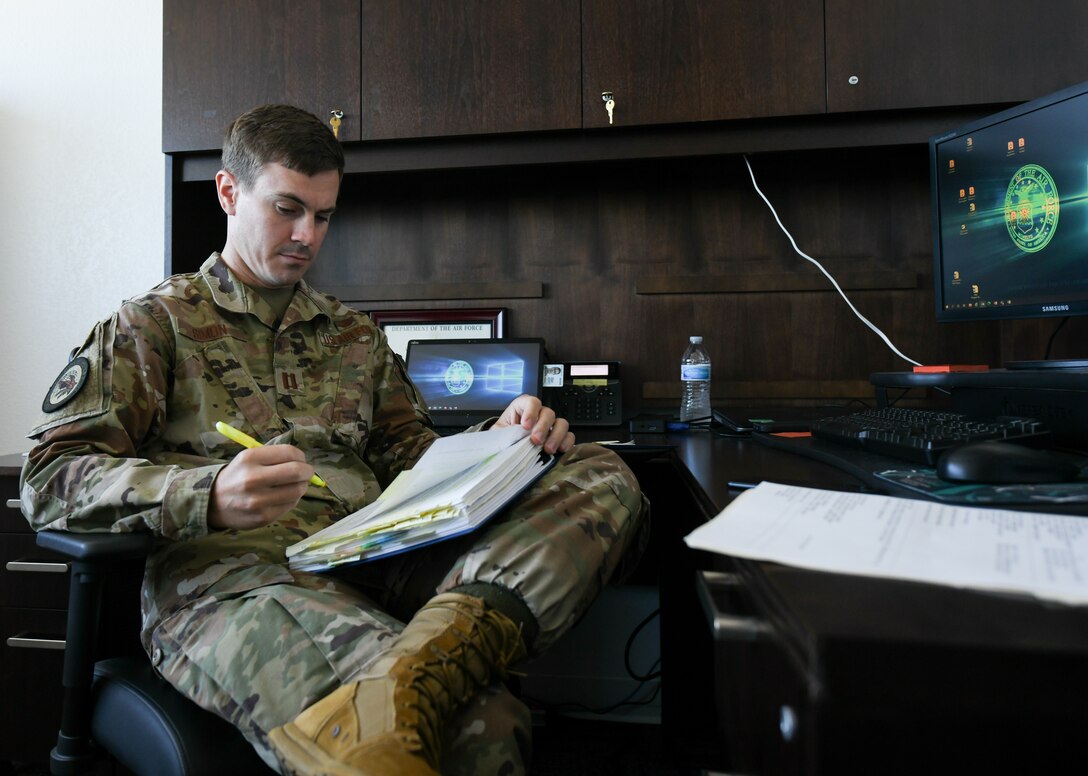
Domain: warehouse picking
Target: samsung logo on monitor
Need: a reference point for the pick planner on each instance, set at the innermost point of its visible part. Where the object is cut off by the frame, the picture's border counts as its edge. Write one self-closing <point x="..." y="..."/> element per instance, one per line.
<point x="1055" y="308"/>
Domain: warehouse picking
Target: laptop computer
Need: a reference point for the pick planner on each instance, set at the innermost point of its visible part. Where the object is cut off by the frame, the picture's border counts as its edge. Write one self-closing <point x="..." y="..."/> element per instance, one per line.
<point x="465" y="381"/>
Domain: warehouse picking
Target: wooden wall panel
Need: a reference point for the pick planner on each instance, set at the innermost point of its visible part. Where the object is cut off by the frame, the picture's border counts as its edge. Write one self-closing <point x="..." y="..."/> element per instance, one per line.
<point x="599" y="245"/>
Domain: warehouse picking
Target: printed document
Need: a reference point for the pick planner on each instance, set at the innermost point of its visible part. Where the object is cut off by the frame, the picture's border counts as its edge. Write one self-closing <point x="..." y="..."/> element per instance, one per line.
<point x="1045" y="555"/>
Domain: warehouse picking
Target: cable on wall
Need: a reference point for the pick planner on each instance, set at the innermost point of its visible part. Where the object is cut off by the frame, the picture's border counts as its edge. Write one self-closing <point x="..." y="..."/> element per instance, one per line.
<point x="820" y="267"/>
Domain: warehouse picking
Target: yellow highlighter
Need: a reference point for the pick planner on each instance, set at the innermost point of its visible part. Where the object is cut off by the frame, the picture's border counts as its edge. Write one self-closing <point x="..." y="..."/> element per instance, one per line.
<point x="245" y="440"/>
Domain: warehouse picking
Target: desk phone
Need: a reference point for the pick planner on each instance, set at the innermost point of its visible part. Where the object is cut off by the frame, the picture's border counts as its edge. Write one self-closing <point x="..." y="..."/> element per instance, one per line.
<point x="590" y="393"/>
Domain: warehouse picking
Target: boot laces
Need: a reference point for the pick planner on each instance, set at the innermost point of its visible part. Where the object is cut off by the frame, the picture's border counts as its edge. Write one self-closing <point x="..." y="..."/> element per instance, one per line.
<point x="449" y="678"/>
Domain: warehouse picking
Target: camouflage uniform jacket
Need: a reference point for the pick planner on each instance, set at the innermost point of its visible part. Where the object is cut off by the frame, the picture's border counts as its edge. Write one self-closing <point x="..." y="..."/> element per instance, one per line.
<point x="135" y="448"/>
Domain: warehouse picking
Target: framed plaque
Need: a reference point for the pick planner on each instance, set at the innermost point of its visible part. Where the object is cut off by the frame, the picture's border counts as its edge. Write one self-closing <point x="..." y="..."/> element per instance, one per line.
<point x="466" y="323"/>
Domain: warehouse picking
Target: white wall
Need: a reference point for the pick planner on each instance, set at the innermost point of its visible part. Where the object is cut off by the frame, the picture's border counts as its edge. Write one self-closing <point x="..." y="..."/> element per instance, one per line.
<point x="81" y="182"/>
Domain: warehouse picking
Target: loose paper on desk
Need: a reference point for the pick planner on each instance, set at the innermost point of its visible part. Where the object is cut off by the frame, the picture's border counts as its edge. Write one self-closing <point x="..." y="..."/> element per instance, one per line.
<point x="460" y="482"/>
<point x="1044" y="555"/>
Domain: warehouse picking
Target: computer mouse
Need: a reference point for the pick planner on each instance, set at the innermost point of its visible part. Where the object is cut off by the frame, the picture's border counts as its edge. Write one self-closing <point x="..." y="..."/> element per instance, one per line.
<point x="1004" y="463"/>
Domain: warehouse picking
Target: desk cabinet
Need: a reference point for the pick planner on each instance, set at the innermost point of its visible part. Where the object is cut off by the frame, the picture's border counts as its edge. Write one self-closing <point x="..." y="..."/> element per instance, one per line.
<point x="33" y="603"/>
<point x="820" y="673"/>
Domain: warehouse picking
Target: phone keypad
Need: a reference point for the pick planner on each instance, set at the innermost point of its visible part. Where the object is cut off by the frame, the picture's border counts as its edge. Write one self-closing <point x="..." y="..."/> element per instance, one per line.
<point x="601" y="406"/>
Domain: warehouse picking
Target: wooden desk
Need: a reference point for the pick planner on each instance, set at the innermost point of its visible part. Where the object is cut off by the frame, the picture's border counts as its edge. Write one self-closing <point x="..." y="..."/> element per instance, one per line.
<point x="814" y="673"/>
<point x="821" y="673"/>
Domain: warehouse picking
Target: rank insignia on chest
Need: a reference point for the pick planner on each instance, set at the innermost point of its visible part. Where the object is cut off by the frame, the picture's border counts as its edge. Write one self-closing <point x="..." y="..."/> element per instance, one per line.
<point x="67" y="385"/>
<point x="289" y="381"/>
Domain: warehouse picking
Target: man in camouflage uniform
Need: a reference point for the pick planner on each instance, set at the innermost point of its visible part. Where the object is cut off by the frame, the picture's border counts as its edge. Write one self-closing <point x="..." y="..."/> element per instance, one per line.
<point x="394" y="666"/>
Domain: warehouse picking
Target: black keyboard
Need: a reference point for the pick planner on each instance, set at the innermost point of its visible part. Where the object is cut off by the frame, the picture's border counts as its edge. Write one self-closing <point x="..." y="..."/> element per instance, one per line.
<point x="920" y="435"/>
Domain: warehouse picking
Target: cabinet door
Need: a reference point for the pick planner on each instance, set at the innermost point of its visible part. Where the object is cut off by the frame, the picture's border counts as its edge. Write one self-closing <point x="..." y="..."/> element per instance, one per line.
<point x="222" y="58"/>
<point x="452" y="67"/>
<point x="923" y="53"/>
<point x="668" y="61"/>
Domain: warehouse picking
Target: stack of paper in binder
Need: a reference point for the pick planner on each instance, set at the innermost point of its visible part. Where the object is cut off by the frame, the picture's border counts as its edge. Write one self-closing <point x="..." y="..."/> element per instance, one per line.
<point x="459" y="483"/>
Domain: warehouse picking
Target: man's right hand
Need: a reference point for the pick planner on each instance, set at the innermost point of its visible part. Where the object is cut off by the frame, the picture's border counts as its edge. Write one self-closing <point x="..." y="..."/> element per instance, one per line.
<point x="258" y="486"/>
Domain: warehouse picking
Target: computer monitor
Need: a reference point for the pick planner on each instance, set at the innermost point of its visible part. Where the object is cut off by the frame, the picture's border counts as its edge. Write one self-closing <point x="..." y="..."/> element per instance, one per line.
<point x="1010" y="213"/>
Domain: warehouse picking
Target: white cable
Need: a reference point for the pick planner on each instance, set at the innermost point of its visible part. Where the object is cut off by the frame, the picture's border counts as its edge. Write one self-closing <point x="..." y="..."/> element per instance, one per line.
<point x="819" y="266"/>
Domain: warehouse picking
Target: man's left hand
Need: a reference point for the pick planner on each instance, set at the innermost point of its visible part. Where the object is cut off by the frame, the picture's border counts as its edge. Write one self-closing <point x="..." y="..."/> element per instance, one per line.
<point x="544" y="427"/>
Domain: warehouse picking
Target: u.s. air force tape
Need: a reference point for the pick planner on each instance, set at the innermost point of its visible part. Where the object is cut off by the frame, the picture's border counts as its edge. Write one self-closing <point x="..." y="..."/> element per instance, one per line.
<point x="67" y="385"/>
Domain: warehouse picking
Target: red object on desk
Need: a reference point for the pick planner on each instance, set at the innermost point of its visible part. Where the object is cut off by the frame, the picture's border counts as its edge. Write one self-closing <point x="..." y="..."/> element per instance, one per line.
<point x="944" y="368"/>
<point x="793" y="434"/>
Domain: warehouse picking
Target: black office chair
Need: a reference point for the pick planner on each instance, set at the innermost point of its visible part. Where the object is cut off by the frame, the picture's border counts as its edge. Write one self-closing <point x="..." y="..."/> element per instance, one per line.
<point x="119" y="704"/>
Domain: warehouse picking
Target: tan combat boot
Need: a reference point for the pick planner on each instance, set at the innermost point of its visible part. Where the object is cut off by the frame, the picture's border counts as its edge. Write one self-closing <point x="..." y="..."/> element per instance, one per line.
<point x="392" y="720"/>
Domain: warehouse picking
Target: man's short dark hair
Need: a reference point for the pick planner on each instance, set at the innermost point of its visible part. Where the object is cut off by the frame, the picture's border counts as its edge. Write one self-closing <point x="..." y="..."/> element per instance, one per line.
<point x="279" y="134"/>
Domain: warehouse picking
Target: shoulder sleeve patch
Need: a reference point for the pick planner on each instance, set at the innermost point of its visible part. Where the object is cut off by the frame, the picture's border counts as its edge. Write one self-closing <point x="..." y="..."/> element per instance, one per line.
<point x="79" y="390"/>
<point x="68" y="383"/>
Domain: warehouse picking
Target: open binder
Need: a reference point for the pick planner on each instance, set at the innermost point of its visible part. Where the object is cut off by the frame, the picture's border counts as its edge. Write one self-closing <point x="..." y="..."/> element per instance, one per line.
<point x="456" y="486"/>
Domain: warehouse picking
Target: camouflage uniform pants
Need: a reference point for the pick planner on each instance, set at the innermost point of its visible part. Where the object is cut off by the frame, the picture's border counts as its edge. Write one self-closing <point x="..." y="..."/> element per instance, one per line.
<point x="261" y="657"/>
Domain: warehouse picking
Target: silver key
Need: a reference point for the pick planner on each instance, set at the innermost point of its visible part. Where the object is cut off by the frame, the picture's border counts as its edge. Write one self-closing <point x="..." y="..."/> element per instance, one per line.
<point x="609" y="106"/>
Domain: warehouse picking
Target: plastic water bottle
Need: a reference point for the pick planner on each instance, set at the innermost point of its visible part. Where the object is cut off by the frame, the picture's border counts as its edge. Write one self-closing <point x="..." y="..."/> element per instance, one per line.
<point x="695" y="382"/>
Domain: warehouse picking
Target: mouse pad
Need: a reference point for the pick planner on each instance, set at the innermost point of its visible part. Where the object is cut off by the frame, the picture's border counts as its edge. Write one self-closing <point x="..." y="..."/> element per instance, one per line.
<point x="888" y="475"/>
<point x="925" y="481"/>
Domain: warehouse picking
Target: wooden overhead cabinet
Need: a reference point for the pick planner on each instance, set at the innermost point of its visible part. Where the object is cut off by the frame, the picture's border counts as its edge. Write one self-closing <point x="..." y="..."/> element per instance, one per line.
<point x="394" y="68"/>
<point x="901" y="54"/>
<point x="699" y="60"/>
<point x="463" y="67"/>
<point x="222" y="58"/>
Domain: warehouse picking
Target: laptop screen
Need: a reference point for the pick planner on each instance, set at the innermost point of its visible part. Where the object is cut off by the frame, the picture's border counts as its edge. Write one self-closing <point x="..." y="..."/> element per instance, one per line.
<point x="469" y="380"/>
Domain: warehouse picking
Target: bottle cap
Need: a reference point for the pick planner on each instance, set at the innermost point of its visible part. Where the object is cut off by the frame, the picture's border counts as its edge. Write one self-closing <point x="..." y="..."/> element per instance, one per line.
<point x="696" y="340"/>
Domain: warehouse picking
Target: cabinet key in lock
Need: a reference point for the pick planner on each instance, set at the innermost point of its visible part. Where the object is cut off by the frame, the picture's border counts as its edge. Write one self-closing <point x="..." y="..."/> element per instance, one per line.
<point x="609" y="104"/>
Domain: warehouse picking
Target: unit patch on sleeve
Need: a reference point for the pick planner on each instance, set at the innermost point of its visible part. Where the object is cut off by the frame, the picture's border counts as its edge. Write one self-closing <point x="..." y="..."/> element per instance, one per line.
<point x="67" y="385"/>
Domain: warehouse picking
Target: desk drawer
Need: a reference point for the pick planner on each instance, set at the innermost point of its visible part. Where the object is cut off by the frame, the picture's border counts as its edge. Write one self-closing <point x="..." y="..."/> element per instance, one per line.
<point x="11" y="518"/>
<point x="31" y="682"/>
<point x="765" y="708"/>
<point x="30" y="576"/>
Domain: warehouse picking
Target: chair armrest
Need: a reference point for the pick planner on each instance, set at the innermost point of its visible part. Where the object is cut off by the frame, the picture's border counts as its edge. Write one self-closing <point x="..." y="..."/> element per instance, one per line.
<point x="92" y="556"/>
<point x="96" y="547"/>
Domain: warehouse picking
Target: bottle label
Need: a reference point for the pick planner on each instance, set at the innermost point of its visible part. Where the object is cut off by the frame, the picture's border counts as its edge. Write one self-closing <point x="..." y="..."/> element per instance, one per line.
<point x="690" y="372"/>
